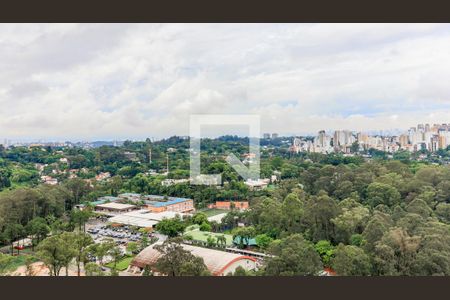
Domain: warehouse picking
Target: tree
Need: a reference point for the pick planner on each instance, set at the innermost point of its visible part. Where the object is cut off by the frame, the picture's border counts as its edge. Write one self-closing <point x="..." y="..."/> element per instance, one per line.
<point x="326" y="251"/>
<point x="411" y="223"/>
<point x="80" y="217"/>
<point x="78" y="189"/>
<point x="430" y="174"/>
<point x="293" y="256"/>
<point x="403" y="156"/>
<point x="357" y="240"/>
<point x="420" y="207"/>
<point x="12" y="233"/>
<point x="433" y="255"/>
<point x="144" y="242"/>
<point x="344" y="189"/>
<point x="443" y="191"/>
<point x="171" y="227"/>
<point x="354" y="148"/>
<point x="396" y="252"/>
<point x="319" y="211"/>
<point x="115" y="184"/>
<point x="29" y="266"/>
<point x="210" y="241"/>
<point x="82" y="242"/>
<point x="56" y="252"/>
<point x="5" y="259"/>
<point x="38" y="229"/>
<point x="5" y="175"/>
<point x="92" y="269"/>
<point x="267" y="215"/>
<point x="205" y="227"/>
<point x="140" y="182"/>
<point x="376" y="227"/>
<point x="115" y="254"/>
<point x="292" y="209"/>
<point x="68" y="240"/>
<point x="221" y="241"/>
<point x="240" y="271"/>
<point x="147" y="271"/>
<point x="200" y="218"/>
<point x="104" y="248"/>
<point x="443" y="212"/>
<point x="132" y="247"/>
<point x="263" y="241"/>
<point x="175" y="261"/>
<point x="351" y="261"/>
<point x="380" y="193"/>
<point x="350" y="221"/>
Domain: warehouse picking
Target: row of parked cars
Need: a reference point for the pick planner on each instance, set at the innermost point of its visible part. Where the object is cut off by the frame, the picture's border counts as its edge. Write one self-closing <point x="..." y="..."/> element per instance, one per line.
<point x="123" y="233"/>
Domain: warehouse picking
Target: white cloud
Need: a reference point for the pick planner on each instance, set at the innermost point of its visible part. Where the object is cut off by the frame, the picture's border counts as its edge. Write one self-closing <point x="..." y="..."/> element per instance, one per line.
<point x="92" y="81"/>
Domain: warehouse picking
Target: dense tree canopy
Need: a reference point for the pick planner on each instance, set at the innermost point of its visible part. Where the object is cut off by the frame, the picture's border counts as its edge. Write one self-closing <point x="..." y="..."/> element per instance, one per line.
<point x="358" y="215"/>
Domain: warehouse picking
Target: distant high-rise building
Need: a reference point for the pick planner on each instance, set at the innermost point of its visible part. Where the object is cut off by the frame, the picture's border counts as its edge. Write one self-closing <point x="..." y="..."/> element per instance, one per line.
<point x="266" y="136"/>
<point x="274" y="135"/>
<point x="403" y="140"/>
<point x="322" y="138"/>
<point x="362" y="138"/>
<point x="343" y="138"/>
<point x="322" y="143"/>
<point x="434" y="143"/>
<point x="420" y="127"/>
<point x="442" y="142"/>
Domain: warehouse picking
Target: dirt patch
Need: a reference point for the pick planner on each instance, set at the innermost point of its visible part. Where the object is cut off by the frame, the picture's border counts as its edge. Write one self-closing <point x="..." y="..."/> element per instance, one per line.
<point x="39" y="269"/>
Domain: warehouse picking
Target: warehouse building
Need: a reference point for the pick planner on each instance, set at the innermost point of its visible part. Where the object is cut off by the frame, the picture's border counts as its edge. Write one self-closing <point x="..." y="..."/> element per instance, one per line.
<point x="113" y="208"/>
<point x="161" y="203"/>
<point x="143" y="218"/>
<point x="228" y="205"/>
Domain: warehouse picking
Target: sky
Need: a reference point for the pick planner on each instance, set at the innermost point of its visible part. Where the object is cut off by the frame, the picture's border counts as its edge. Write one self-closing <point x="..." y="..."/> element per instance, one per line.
<point x="132" y="81"/>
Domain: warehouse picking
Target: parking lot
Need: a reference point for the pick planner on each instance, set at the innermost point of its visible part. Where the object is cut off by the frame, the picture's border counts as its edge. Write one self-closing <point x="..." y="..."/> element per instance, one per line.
<point x="122" y="235"/>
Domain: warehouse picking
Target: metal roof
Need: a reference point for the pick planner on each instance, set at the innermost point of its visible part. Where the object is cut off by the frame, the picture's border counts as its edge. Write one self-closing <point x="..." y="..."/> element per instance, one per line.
<point x="170" y="202"/>
<point x="216" y="261"/>
<point x="113" y="205"/>
<point x="143" y="218"/>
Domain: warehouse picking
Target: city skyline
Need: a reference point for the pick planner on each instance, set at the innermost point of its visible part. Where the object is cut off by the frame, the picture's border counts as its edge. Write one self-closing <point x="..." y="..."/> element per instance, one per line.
<point x="132" y="81"/>
<point x="436" y="128"/>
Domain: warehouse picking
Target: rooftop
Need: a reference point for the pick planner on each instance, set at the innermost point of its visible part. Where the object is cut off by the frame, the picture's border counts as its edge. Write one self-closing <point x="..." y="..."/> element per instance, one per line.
<point x="109" y="198"/>
<point x="113" y="205"/>
<point x="216" y="261"/>
<point x="160" y="201"/>
<point x="143" y="218"/>
<point x="251" y="242"/>
<point x="129" y="195"/>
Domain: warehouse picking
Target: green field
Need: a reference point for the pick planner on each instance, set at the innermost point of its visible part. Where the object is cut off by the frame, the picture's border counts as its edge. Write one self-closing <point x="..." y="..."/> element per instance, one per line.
<point x="16" y="262"/>
<point x="202" y="236"/>
<point x="122" y="264"/>
<point x="271" y="187"/>
<point x="209" y="212"/>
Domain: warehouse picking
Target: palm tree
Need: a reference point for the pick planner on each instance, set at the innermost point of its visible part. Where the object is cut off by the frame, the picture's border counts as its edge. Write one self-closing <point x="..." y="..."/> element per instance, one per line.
<point x="222" y="240"/>
<point x="116" y="255"/>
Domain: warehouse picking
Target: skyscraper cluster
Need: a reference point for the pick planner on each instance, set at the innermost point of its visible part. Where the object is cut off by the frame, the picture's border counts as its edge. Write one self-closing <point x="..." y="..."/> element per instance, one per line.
<point x="422" y="137"/>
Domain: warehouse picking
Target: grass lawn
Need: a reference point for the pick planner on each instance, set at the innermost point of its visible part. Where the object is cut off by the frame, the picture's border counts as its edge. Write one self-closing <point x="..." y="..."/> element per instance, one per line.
<point x="16" y="262"/>
<point x="209" y="212"/>
<point x="271" y="187"/>
<point x="122" y="264"/>
<point x="202" y="236"/>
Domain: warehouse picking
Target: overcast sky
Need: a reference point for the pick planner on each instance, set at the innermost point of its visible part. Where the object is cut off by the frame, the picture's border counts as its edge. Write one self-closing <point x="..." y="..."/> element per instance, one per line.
<point x="117" y="81"/>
